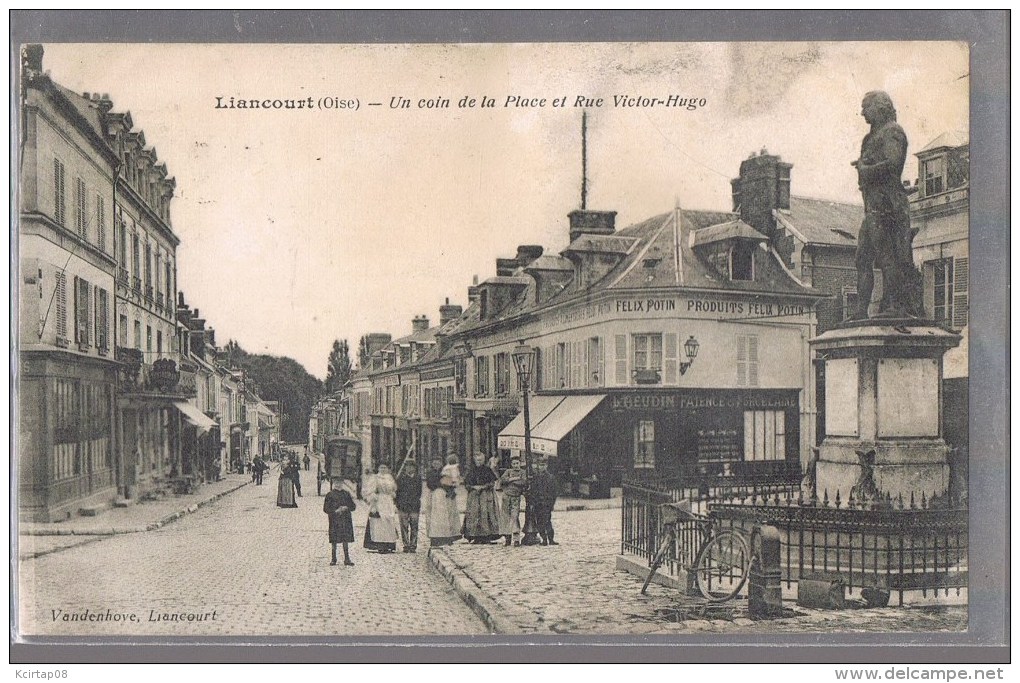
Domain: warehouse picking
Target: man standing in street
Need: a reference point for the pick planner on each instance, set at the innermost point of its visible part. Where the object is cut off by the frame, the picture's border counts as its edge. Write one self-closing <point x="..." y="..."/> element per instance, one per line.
<point x="409" y="505"/>
<point x="542" y="494"/>
<point x="257" y="469"/>
<point x="294" y="472"/>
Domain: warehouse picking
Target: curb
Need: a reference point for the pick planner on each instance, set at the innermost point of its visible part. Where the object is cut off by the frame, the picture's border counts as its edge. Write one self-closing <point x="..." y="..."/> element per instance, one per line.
<point x="43" y="553"/>
<point x="113" y="531"/>
<point x="484" y="607"/>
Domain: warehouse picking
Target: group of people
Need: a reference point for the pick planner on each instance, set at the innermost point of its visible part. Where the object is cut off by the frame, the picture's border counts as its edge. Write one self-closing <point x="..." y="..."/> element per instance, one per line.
<point x="395" y="505"/>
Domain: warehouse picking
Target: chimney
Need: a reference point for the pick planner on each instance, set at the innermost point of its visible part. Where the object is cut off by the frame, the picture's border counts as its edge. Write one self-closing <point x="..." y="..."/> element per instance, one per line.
<point x="505" y="267"/>
<point x="33" y="57"/>
<point x="528" y="254"/>
<point x="763" y="186"/>
<point x="419" y="323"/>
<point x="105" y="104"/>
<point x="585" y="221"/>
<point x="448" y="312"/>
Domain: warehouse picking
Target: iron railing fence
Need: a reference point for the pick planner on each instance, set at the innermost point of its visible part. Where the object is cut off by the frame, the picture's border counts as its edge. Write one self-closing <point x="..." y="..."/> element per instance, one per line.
<point x="894" y="545"/>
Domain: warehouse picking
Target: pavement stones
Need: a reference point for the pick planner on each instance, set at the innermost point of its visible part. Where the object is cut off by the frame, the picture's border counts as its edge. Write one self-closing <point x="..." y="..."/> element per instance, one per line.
<point x="263" y="570"/>
<point x="574" y="588"/>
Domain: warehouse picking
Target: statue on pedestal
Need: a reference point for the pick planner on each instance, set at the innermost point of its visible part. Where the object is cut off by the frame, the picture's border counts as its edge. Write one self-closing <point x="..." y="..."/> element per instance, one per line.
<point x="885" y="237"/>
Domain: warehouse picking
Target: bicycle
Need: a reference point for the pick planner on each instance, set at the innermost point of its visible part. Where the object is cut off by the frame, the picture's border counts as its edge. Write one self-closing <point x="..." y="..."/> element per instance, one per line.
<point x="723" y="561"/>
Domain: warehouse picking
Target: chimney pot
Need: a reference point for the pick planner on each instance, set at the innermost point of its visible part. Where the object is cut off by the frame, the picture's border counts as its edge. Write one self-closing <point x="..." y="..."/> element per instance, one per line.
<point x="588" y="222"/>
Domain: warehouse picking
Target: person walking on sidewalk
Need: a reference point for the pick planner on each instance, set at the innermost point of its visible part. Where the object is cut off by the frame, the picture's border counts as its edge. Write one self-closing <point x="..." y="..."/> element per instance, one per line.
<point x="409" y="504"/>
<point x="294" y="472"/>
<point x="339" y="505"/>
<point x="285" y="490"/>
<point x="542" y="494"/>
<point x="481" y="520"/>
<point x="258" y="468"/>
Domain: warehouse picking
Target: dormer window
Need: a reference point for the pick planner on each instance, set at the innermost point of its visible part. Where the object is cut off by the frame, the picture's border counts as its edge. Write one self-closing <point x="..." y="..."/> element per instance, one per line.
<point x="933" y="172"/>
<point x="742" y="261"/>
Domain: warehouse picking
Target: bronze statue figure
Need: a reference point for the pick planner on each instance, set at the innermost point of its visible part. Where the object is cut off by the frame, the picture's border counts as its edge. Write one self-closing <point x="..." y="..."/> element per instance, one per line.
<point x="885" y="237"/>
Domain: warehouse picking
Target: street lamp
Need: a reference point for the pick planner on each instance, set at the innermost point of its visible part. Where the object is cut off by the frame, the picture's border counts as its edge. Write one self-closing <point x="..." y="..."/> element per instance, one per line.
<point x="524" y="359"/>
<point x="691" y="349"/>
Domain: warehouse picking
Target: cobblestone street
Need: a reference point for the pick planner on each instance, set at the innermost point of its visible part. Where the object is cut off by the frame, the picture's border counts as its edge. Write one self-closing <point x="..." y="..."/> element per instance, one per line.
<point x="263" y="570"/>
<point x="575" y="588"/>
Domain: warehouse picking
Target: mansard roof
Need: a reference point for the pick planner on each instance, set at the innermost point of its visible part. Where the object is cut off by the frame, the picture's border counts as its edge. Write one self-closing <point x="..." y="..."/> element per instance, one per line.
<point x="821" y="221"/>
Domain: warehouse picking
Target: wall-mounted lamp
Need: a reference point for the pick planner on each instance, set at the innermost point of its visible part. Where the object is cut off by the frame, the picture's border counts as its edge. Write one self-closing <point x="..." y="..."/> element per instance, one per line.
<point x="691" y="349"/>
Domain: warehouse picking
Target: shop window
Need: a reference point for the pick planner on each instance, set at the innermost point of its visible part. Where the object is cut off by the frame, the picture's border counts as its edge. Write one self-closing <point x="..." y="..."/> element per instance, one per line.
<point x="644" y="444"/>
<point x="742" y="261"/>
<point x="647" y="358"/>
<point x="764" y="435"/>
<point x="747" y="360"/>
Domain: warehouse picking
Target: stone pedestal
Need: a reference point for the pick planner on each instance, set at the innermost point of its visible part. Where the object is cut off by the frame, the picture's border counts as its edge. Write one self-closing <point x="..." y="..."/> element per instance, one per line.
<point x="883" y="411"/>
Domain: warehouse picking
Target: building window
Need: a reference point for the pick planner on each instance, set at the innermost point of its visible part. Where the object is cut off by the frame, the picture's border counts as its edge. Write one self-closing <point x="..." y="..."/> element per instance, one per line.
<point x="502" y="374"/>
<point x="61" y="302"/>
<point x="101" y="222"/>
<point x="102" y="320"/>
<point x="942" y="270"/>
<point x="482" y="376"/>
<point x="596" y="370"/>
<point x="849" y="303"/>
<point x="81" y="220"/>
<point x="136" y="283"/>
<point x="644" y="444"/>
<point x="82" y="313"/>
<point x="764" y="435"/>
<point x="159" y="342"/>
<point x="59" y="193"/>
<point x="647" y="358"/>
<point x="148" y="338"/>
<point x="562" y="363"/>
<point x="138" y="335"/>
<point x="122" y="338"/>
<point x="742" y="261"/>
<point x="933" y="171"/>
<point x="747" y="360"/>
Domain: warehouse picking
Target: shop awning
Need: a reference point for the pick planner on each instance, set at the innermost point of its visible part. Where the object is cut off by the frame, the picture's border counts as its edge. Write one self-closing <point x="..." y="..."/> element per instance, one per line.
<point x="195" y="416"/>
<point x="552" y="418"/>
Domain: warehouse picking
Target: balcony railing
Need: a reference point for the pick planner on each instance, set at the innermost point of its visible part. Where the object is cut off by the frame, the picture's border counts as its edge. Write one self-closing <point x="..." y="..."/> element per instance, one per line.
<point x="122" y="277"/>
<point x="148" y="293"/>
<point x="136" y="285"/>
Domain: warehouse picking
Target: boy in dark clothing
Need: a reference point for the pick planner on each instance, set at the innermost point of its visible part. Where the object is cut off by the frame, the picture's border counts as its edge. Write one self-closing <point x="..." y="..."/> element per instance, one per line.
<point x="542" y="494"/>
<point x="409" y="505"/>
<point x="339" y="505"/>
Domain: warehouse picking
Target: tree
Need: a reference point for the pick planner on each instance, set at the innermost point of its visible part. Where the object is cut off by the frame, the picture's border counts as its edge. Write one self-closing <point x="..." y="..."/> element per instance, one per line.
<point x="364" y="352"/>
<point x="338" y="371"/>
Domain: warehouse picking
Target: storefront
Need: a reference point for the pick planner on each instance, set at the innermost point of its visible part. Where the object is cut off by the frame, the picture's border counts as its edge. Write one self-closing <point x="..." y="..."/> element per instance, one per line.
<point x="595" y="441"/>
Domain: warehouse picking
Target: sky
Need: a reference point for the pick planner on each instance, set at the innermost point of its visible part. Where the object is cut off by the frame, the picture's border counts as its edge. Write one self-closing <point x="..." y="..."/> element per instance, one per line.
<point x="299" y="227"/>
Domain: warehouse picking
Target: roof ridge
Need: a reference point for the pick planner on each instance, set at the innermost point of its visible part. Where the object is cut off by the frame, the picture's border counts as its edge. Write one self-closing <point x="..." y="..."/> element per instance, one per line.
<point x="823" y="199"/>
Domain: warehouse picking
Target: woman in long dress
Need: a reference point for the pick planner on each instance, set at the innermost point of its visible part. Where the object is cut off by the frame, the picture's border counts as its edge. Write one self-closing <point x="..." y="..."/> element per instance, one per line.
<point x="481" y="520"/>
<point x="442" y="520"/>
<point x="383" y="526"/>
<point x="285" y="490"/>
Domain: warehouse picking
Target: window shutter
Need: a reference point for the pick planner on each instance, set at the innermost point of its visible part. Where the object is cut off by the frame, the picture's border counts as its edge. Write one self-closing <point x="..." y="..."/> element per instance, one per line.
<point x="59" y="205"/>
<point x="586" y="363"/>
<point x="621" y="359"/>
<point x="961" y="273"/>
<point x="100" y="222"/>
<point x="98" y="318"/>
<point x="741" y="360"/>
<point x="669" y="359"/>
<point x="752" y="360"/>
<point x="61" y="296"/>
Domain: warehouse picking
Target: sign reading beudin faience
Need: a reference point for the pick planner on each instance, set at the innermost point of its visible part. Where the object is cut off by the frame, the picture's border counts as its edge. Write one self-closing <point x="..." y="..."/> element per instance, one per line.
<point x="747" y="400"/>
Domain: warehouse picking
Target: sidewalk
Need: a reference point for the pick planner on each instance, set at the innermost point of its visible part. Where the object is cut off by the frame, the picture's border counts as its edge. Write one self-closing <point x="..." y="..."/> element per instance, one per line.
<point x="40" y="538"/>
<point x="575" y="588"/>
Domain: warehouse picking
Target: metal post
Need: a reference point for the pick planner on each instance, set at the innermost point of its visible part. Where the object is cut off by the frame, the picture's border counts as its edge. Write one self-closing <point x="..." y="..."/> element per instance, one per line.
<point x="530" y="530"/>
